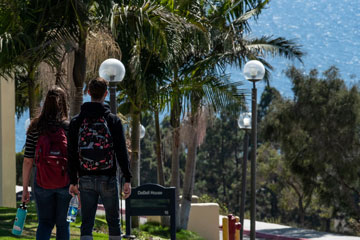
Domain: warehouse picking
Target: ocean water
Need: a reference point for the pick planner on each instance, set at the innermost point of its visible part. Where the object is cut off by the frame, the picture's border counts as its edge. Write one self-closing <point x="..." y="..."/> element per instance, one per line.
<point x="327" y="30"/>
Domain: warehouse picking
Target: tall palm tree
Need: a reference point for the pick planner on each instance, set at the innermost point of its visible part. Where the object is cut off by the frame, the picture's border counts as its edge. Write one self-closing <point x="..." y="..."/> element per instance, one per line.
<point x="227" y="24"/>
<point x="143" y="30"/>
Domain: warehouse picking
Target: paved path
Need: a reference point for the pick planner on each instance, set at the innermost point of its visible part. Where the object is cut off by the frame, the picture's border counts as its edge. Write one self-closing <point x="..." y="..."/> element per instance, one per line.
<point x="281" y="232"/>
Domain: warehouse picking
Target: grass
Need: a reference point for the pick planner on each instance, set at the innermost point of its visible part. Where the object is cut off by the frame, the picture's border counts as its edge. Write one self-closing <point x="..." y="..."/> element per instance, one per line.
<point x="147" y="231"/>
<point x="155" y="229"/>
<point x="7" y="216"/>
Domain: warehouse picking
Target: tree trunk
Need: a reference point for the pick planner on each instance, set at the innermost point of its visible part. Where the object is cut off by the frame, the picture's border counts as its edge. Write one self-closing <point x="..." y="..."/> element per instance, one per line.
<point x="175" y="178"/>
<point x="135" y="156"/>
<point x="165" y="220"/>
<point x="76" y="101"/>
<point x="160" y="169"/>
<point x="135" y="149"/>
<point x="175" y="113"/>
<point x="301" y="211"/>
<point x="79" y="73"/>
<point x="31" y="93"/>
<point x="189" y="179"/>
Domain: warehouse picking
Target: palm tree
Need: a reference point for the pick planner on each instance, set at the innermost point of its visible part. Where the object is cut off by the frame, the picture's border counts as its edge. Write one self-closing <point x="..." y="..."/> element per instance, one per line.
<point x="29" y="33"/>
<point x="143" y="30"/>
<point x="80" y="17"/>
<point x="194" y="53"/>
<point x="226" y="22"/>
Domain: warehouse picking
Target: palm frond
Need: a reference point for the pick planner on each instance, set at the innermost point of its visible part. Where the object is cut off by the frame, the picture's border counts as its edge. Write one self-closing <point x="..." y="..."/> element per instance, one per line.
<point x="275" y="47"/>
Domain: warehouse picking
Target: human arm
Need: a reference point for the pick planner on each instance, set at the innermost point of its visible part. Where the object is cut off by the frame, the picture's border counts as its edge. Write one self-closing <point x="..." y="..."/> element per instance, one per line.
<point x="26" y="172"/>
<point x="29" y="156"/>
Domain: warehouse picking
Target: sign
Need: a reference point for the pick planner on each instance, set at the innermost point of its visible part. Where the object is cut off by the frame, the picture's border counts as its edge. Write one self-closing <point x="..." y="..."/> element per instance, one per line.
<point x="151" y="200"/>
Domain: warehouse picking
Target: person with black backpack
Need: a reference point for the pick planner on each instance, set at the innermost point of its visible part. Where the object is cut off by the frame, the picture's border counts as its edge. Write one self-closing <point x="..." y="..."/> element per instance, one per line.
<point x="46" y="145"/>
<point x="96" y="145"/>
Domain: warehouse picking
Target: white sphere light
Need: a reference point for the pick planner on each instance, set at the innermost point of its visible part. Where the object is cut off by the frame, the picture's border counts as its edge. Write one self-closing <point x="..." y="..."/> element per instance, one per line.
<point x="254" y="70"/>
<point x="244" y="120"/>
<point x="142" y="131"/>
<point x="112" y="70"/>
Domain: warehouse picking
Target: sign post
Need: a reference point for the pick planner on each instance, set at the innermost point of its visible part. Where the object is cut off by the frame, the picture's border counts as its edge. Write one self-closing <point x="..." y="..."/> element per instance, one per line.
<point x="151" y="200"/>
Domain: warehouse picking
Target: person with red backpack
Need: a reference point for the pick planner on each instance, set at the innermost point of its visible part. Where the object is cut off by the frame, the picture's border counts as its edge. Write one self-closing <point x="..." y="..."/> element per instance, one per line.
<point x="96" y="145"/>
<point x="46" y="146"/>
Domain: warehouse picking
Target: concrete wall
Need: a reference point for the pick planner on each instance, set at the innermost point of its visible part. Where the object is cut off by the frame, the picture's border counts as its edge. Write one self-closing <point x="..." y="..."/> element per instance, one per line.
<point x="7" y="143"/>
<point x="204" y="220"/>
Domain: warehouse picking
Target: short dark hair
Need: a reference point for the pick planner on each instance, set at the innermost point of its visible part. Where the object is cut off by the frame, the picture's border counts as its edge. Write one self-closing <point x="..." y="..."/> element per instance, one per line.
<point x="98" y="87"/>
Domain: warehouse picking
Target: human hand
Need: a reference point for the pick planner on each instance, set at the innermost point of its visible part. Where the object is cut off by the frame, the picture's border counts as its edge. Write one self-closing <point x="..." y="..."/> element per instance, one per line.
<point x="73" y="190"/>
<point x="25" y="196"/>
<point x="127" y="190"/>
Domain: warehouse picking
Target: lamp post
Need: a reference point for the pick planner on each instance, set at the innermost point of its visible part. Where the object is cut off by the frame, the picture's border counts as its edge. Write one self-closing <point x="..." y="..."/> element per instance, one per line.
<point x="253" y="71"/>
<point x="244" y="123"/>
<point x="113" y="71"/>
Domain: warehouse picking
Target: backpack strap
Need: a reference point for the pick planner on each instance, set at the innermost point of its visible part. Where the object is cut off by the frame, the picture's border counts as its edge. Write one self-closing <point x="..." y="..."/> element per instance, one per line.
<point x="109" y="123"/>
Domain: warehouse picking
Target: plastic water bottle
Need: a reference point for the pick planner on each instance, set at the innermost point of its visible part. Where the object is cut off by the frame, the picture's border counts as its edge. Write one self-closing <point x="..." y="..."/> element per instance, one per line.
<point x="73" y="209"/>
<point x="19" y="220"/>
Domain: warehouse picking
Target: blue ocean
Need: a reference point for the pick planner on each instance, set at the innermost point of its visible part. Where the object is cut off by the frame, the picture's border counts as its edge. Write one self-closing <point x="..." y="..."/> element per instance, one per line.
<point x="327" y="30"/>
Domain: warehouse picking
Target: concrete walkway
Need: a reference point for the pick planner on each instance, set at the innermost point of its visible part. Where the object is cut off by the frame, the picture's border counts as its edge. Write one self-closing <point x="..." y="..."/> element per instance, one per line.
<point x="281" y="232"/>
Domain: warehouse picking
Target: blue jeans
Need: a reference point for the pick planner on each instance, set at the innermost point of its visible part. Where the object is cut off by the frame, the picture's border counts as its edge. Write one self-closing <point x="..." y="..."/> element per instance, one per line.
<point x="52" y="206"/>
<point x="91" y="187"/>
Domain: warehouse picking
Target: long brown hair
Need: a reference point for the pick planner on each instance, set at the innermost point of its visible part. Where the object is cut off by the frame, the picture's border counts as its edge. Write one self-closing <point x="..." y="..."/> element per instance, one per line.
<point x="54" y="110"/>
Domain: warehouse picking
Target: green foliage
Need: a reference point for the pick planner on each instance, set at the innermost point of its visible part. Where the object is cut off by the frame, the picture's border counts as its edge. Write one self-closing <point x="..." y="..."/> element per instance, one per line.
<point x="185" y="235"/>
<point x="219" y="161"/>
<point x="148" y="156"/>
<point x="19" y="163"/>
<point x="316" y="135"/>
<point x="155" y="228"/>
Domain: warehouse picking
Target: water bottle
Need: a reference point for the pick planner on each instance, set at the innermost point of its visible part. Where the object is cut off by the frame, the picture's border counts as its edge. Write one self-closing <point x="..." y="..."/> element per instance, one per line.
<point x="73" y="209"/>
<point x="19" y="220"/>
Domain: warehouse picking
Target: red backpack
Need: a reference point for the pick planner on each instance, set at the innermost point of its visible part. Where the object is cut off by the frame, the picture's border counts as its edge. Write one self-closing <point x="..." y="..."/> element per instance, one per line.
<point x="51" y="159"/>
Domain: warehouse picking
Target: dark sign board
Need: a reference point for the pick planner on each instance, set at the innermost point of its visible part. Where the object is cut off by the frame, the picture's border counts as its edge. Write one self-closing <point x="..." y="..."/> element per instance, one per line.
<point x="151" y="200"/>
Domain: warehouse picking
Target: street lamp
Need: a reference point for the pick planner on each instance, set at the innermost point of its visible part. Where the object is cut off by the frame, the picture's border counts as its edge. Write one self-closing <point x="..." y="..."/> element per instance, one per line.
<point x="113" y="71"/>
<point x="244" y="123"/>
<point x="253" y="71"/>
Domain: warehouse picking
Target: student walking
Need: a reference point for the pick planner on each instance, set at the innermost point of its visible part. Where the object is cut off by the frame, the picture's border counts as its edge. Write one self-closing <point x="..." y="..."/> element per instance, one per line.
<point x="96" y="144"/>
<point x="46" y="146"/>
